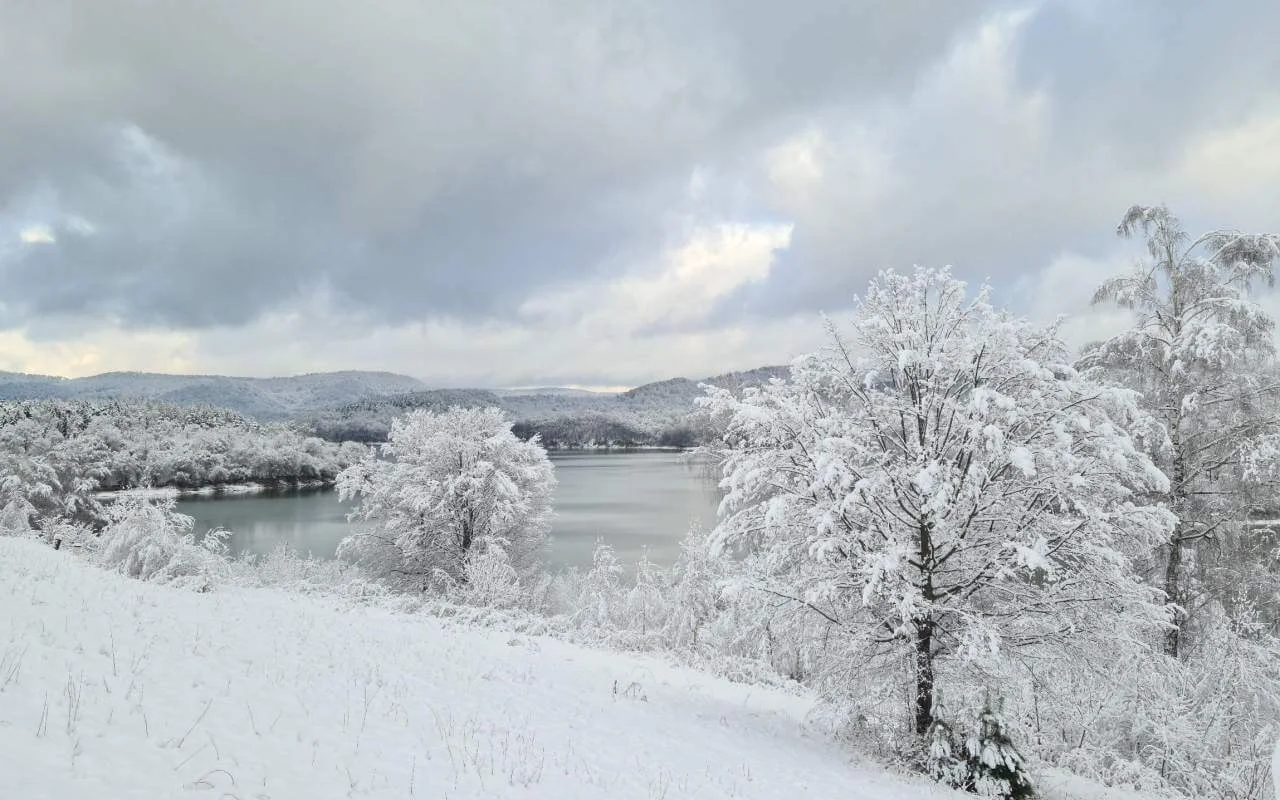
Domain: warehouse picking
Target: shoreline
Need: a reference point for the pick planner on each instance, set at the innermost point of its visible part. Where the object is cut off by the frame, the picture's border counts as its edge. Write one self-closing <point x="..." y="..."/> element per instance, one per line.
<point x="248" y="487"/>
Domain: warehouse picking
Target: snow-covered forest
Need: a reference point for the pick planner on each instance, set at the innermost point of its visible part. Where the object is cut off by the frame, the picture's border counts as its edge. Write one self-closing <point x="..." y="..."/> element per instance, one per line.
<point x="659" y="414"/>
<point x="56" y="454"/>
<point x="262" y="398"/>
<point x="987" y="560"/>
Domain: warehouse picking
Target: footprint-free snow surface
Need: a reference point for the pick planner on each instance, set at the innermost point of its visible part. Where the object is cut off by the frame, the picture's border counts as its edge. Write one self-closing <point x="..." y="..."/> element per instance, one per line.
<point x="111" y="688"/>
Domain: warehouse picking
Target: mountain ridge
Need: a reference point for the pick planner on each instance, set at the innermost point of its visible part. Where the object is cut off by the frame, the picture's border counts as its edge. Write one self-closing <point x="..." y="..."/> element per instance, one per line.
<point x="359" y="405"/>
<point x="268" y="398"/>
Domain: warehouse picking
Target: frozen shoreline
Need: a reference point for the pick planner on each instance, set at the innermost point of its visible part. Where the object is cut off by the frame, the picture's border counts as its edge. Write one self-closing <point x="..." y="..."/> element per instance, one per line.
<point x="251" y="487"/>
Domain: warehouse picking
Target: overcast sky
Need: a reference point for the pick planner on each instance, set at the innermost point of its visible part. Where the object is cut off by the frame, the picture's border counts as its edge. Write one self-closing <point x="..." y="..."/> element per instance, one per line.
<point x="588" y="192"/>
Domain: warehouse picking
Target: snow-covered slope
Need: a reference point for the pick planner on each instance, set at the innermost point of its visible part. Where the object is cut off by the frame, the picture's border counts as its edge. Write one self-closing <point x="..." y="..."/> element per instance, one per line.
<point x="118" y="689"/>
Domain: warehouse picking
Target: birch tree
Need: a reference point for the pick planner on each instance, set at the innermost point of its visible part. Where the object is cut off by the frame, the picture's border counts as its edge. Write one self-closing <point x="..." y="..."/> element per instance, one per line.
<point x="944" y="490"/>
<point x="1199" y="352"/>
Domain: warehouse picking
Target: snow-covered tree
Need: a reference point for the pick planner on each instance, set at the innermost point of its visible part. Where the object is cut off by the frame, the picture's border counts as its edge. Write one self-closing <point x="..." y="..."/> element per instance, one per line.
<point x="149" y="540"/>
<point x="1199" y="352"/>
<point x="450" y="485"/>
<point x="945" y="491"/>
<point x="1275" y="767"/>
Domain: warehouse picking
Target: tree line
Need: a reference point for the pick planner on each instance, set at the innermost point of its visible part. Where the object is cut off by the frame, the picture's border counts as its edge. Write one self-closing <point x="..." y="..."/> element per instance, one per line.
<point x="56" y="454"/>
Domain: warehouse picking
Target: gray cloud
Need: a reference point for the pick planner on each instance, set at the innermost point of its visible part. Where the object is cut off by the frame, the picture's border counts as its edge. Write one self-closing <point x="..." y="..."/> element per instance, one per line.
<point x="203" y="166"/>
<point x="440" y="158"/>
<point x="1017" y="147"/>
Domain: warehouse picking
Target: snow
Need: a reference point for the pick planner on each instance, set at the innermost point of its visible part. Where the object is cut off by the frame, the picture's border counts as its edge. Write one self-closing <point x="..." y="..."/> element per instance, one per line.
<point x="1023" y="459"/>
<point x="160" y="492"/>
<point x="115" y="688"/>
<point x="1275" y="767"/>
<point x="1062" y="785"/>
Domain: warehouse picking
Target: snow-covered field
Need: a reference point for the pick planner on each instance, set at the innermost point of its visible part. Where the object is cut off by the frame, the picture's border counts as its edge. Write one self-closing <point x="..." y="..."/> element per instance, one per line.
<point x="114" y="688"/>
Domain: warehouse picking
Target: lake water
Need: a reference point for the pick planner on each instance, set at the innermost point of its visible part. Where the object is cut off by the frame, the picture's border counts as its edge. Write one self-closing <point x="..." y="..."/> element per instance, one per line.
<point x="638" y="502"/>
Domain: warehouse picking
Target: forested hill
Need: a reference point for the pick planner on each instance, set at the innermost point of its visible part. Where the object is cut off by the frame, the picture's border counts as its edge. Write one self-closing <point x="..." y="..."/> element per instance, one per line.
<point x="265" y="398"/>
<point x="655" y="414"/>
<point x="359" y="406"/>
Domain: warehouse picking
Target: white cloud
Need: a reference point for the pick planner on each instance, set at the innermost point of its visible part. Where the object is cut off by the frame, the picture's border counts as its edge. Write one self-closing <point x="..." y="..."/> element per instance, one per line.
<point x="690" y="279"/>
<point x="107" y="348"/>
<point x="797" y="164"/>
<point x="1065" y="287"/>
<point x="1236" y="170"/>
<point x="452" y="353"/>
<point x="37" y="234"/>
<point x="647" y="324"/>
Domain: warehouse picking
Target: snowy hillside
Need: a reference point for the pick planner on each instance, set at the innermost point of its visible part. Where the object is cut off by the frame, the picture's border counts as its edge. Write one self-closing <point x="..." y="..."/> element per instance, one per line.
<point x="660" y="413"/>
<point x="115" y="688"/>
<point x="260" y="397"/>
<point x="550" y="391"/>
<point x="359" y="405"/>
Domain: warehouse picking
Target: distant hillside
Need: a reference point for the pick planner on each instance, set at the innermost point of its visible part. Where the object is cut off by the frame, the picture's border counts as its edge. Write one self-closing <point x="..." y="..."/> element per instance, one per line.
<point x="359" y="406"/>
<point x="661" y="414"/>
<point x="561" y="391"/>
<point x="683" y="391"/>
<point x="260" y="397"/>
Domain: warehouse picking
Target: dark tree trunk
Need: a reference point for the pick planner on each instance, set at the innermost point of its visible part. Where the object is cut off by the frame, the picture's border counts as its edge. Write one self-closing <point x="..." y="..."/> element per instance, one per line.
<point x="1173" y="568"/>
<point x="925" y="630"/>
<point x="468" y="539"/>
<point x="924" y="677"/>
<point x="1173" y="592"/>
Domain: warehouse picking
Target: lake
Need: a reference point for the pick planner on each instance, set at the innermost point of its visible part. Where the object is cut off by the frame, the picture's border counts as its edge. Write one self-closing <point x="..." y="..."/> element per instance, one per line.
<point x="638" y="502"/>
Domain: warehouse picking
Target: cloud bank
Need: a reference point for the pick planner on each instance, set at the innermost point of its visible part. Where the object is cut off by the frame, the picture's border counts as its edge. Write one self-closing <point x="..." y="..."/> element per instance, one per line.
<point x="575" y="191"/>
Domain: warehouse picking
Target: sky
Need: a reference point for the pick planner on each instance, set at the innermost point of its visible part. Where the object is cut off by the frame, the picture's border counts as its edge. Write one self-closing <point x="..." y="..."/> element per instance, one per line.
<point x="590" y="192"/>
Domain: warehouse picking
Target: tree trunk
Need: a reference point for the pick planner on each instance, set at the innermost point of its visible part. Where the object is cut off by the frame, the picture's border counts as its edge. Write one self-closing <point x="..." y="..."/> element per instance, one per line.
<point x="1173" y="567"/>
<point x="924" y="677"/>
<point x="924" y="632"/>
<point x="1173" y="592"/>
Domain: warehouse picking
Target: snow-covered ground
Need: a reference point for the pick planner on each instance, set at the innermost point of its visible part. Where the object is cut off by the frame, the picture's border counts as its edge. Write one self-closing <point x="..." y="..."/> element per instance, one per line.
<point x="113" y="688"/>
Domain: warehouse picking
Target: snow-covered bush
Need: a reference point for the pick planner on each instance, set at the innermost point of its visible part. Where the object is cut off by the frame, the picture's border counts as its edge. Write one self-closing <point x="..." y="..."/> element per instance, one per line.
<point x="1200" y="726"/>
<point x="601" y="589"/>
<point x="149" y="540"/>
<point x="447" y="483"/>
<point x="982" y="760"/>
<point x="995" y="767"/>
<point x="646" y="604"/>
<point x="696" y="596"/>
<point x="16" y="516"/>
<point x="284" y="568"/>
<point x="491" y="580"/>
